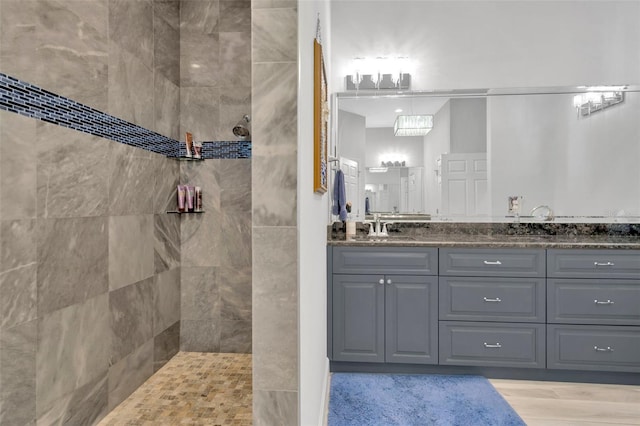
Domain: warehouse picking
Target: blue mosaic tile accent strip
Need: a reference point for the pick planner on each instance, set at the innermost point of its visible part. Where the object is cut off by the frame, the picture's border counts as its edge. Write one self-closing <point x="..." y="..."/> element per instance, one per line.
<point x="31" y="101"/>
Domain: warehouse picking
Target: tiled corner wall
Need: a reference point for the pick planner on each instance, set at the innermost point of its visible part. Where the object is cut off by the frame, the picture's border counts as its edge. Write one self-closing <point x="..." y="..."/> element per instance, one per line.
<point x="215" y="92"/>
<point x="89" y="261"/>
<point x="275" y="227"/>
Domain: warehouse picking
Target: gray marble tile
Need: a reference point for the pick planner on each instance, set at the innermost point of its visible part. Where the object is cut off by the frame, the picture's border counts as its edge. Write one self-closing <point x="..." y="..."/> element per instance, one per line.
<point x="86" y="405"/>
<point x="72" y="261"/>
<point x="167" y="178"/>
<point x="268" y="4"/>
<point x="131" y="27"/>
<point x="275" y="108"/>
<point x="167" y="242"/>
<point x="235" y="59"/>
<point x="199" y="336"/>
<point x="235" y="102"/>
<point x="18" y="38"/>
<point x="166" y="300"/>
<point x="275" y="35"/>
<point x="17" y="166"/>
<point x="17" y="243"/>
<point x="274" y="199"/>
<point x="199" y="59"/>
<point x="235" y="337"/>
<point x="235" y="292"/>
<point x="165" y="346"/>
<point x="131" y="86"/>
<point x="131" y="318"/>
<point x="129" y="373"/>
<point x="235" y="16"/>
<point x="275" y="308"/>
<point x="235" y="239"/>
<point x="235" y="176"/>
<point x="169" y="11"/>
<point x="166" y="48"/>
<point x="72" y="41"/>
<point x="199" y="112"/>
<point x="132" y="180"/>
<point x="72" y="175"/>
<point x="200" y="294"/>
<point x="275" y="408"/>
<point x="201" y="241"/>
<point x="131" y="249"/>
<point x="166" y="102"/>
<point x="18" y="288"/>
<point x="199" y="16"/>
<point x="18" y="374"/>
<point x="73" y="351"/>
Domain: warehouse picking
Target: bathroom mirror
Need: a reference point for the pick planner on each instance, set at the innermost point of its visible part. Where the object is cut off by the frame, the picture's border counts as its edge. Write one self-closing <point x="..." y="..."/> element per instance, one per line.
<point x="573" y="150"/>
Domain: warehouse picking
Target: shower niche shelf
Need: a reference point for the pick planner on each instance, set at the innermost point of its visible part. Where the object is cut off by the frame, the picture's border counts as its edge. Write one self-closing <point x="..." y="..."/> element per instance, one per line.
<point x="179" y="212"/>
<point x="186" y="158"/>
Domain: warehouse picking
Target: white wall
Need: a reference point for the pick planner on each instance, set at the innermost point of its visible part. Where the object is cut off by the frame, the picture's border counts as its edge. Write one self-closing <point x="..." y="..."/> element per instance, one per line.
<point x="504" y="43"/>
<point x="541" y="150"/>
<point x="468" y="125"/>
<point x="312" y="227"/>
<point x="383" y="144"/>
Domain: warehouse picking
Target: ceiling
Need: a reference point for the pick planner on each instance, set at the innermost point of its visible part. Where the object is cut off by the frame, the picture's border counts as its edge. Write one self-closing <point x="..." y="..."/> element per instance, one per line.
<point x="381" y="111"/>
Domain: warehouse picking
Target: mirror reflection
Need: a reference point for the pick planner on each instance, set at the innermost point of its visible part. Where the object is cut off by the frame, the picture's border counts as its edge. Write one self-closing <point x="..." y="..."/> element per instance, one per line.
<point x="536" y="154"/>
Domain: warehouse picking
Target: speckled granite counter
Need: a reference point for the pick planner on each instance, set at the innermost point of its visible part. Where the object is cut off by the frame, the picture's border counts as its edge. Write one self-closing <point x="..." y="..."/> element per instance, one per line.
<point x="524" y="235"/>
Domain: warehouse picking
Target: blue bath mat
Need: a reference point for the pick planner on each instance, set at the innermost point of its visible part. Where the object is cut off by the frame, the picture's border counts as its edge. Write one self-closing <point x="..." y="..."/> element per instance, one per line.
<point x="416" y="399"/>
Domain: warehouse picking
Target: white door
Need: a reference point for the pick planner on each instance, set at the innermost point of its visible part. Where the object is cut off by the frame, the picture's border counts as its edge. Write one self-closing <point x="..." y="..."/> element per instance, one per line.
<point x="351" y="173"/>
<point x="464" y="185"/>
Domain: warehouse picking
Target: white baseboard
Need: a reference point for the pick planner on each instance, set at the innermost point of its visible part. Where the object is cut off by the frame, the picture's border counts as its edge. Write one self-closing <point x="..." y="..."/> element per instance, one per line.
<point x="325" y="395"/>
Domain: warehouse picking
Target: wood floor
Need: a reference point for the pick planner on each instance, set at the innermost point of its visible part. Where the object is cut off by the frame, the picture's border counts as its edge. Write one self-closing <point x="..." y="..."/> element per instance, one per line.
<point x="563" y="404"/>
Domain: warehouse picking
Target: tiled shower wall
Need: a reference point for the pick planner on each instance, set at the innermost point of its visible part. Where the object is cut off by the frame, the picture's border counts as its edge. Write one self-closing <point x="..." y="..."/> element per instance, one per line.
<point x="275" y="225"/>
<point x="89" y="261"/>
<point x="215" y="92"/>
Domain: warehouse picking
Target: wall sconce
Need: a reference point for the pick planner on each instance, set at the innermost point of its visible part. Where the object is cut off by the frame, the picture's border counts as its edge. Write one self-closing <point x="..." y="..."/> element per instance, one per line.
<point x="381" y="73"/>
<point x="590" y="102"/>
<point x="413" y="125"/>
<point x="243" y="128"/>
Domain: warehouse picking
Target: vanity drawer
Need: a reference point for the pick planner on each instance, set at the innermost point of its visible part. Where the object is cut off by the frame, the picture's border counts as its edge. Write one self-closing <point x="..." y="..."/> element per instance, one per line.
<point x="588" y="347"/>
<point x="593" y="263"/>
<point x="591" y="301"/>
<point x="492" y="262"/>
<point x="492" y="344"/>
<point x="492" y="299"/>
<point x="385" y="260"/>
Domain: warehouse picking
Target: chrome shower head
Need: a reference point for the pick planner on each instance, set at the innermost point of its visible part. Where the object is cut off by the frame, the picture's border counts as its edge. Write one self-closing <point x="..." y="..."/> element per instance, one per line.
<point x="243" y="129"/>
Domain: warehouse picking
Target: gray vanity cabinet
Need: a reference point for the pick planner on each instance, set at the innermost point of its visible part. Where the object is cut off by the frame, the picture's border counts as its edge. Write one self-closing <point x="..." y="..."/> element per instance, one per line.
<point x="492" y="307"/>
<point x="389" y="316"/>
<point x="593" y="310"/>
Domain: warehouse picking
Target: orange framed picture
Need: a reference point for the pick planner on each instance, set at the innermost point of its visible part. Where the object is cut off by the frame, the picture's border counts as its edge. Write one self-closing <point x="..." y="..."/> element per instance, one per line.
<point x="320" y="121"/>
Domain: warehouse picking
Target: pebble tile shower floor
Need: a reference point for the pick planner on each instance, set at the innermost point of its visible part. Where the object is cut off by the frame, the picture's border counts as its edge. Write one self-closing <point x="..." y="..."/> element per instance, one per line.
<point x="191" y="389"/>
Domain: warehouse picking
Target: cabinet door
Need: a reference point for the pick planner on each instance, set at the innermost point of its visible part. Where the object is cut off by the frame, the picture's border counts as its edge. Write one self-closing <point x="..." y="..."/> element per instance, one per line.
<point x="411" y="310"/>
<point x="358" y="318"/>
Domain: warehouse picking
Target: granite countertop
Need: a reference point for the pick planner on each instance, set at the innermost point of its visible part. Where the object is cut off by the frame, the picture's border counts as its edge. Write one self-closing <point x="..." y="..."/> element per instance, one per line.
<point x="567" y="236"/>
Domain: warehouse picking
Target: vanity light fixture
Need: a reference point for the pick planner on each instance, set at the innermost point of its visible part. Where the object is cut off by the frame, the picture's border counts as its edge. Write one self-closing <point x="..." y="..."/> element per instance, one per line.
<point x="378" y="169"/>
<point x="413" y="125"/>
<point x="597" y="99"/>
<point x="381" y="73"/>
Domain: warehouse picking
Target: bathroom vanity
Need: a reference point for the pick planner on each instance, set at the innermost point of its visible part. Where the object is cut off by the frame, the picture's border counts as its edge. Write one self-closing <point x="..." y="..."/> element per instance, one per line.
<point x="540" y="306"/>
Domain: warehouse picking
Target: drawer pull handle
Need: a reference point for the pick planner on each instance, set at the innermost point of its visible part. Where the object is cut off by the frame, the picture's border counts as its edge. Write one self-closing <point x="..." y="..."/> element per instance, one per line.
<point x="489" y="262"/>
<point x="381" y="281"/>
<point x="389" y="282"/>
<point x="604" y="263"/>
<point x="606" y="302"/>
<point x="607" y="349"/>
<point x="494" y="346"/>
<point x="497" y="299"/>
